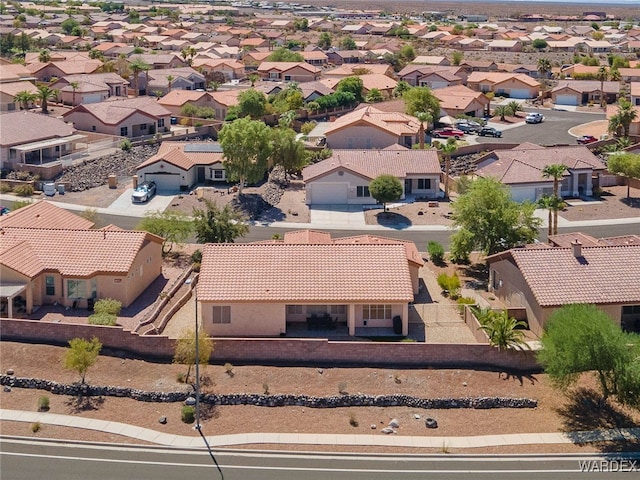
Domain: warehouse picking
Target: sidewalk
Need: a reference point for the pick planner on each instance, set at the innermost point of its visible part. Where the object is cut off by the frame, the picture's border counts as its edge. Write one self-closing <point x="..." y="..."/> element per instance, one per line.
<point x="375" y="439"/>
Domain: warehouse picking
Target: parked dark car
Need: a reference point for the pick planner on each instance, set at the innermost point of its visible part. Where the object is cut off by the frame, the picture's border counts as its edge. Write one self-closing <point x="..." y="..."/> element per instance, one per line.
<point x="490" y="132"/>
<point x="448" y="132"/>
<point x="144" y="192"/>
<point x="468" y="127"/>
<point x="586" y="139"/>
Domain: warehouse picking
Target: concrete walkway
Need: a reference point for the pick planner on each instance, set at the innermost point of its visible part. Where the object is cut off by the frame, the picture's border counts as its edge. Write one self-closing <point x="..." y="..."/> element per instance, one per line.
<point x="377" y="439"/>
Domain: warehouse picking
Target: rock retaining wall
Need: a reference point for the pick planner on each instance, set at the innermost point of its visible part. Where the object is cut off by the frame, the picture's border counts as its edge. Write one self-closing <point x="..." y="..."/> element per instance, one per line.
<point x="335" y="401"/>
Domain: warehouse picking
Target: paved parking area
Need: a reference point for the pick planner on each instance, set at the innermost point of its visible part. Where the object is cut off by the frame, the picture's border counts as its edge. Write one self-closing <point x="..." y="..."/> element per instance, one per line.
<point x="337" y="215"/>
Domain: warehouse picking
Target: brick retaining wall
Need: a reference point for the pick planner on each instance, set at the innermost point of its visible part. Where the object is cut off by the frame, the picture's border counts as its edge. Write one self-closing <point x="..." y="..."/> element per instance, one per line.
<point x="280" y="351"/>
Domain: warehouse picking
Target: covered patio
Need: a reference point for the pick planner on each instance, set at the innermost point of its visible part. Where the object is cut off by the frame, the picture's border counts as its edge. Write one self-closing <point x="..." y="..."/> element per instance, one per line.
<point x="44" y="151"/>
<point x="11" y="299"/>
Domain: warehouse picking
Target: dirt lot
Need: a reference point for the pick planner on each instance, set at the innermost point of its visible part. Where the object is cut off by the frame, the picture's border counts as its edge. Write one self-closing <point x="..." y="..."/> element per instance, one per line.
<point x="554" y="413"/>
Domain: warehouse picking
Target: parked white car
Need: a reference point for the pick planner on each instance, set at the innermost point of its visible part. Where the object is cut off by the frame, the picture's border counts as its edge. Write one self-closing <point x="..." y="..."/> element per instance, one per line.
<point x="144" y="192"/>
<point x="534" y="118"/>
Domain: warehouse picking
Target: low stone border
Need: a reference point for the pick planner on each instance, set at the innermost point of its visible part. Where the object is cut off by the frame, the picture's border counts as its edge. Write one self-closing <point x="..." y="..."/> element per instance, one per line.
<point x="335" y="401"/>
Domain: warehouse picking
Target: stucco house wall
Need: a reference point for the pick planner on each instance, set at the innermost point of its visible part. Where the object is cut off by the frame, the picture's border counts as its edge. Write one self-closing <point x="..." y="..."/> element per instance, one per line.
<point x="187" y="177"/>
<point x="86" y="121"/>
<point x="255" y="319"/>
<point x="361" y="136"/>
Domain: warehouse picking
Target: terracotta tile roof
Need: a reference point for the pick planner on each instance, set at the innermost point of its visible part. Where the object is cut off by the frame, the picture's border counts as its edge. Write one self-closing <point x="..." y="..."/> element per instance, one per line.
<point x="43" y="214"/>
<point x="395" y="123"/>
<point x="458" y="97"/>
<point x="565" y="239"/>
<point x="80" y="253"/>
<point x="410" y="248"/>
<point x="307" y="237"/>
<point x="24" y="127"/>
<point x="180" y="97"/>
<point x="115" y="110"/>
<point x="12" y="88"/>
<point x="587" y="86"/>
<point x="603" y="274"/>
<point x="174" y="153"/>
<point x="497" y="78"/>
<point x="304" y="273"/>
<point x="286" y="66"/>
<point x="526" y="165"/>
<point x="372" y="163"/>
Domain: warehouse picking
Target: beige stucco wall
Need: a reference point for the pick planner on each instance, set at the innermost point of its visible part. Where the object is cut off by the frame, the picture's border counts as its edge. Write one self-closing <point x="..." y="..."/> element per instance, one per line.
<point x="187" y="178"/>
<point x="396" y="309"/>
<point x="145" y="269"/>
<point x="514" y="84"/>
<point x="247" y="319"/>
<point x="85" y="121"/>
<point x="360" y="136"/>
<point x="352" y="181"/>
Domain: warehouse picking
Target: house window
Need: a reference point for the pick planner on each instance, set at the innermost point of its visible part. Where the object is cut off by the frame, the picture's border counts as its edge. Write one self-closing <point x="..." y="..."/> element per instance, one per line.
<point x="11" y="107"/>
<point x="376" y="312"/>
<point x="424" y="184"/>
<point x="495" y="281"/>
<point x="631" y="310"/>
<point x="362" y="191"/>
<point x="338" y="309"/>
<point x="221" y="314"/>
<point x="143" y="126"/>
<point x="294" y="310"/>
<point x="217" y="174"/>
<point x="76" y="289"/>
<point x="274" y="75"/>
<point x="93" y="128"/>
<point x="161" y="122"/>
<point x="124" y="131"/>
<point x="50" y="285"/>
<point x="287" y="78"/>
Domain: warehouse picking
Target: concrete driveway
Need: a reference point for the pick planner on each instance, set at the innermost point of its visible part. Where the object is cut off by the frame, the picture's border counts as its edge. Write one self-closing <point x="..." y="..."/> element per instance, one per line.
<point x="124" y="206"/>
<point x="337" y="215"/>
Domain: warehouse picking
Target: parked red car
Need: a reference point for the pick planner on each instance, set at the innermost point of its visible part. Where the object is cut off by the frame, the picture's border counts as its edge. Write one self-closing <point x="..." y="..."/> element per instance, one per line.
<point x="448" y="132"/>
<point x="585" y="139"/>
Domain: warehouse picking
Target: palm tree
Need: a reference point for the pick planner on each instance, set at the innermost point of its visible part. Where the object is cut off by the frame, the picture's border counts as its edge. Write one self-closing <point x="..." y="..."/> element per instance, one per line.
<point x="253" y="77"/>
<point x="627" y="114"/>
<point x="187" y="54"/>
<point x="602" y="75"/>
<point x="504" y="332"/>
<point x="546" y="201"/>
<point x="45" y="94"/>
<point x="555" y="171"/>
<point x="544" y="67"/>
<point x="138" y="65"/>
<point x="502" y="111"/>
<point x="514" y="107"/>
<point x="447" y="150"/>
<point x="401" y="87"/>
<point x="214" y="86"/>
<point x="25" y="98"/>
<point x="170" y="79"/>
<point x="74" y="87"/>
<point x="422" y="118"/>
<point x="44" y="56"/>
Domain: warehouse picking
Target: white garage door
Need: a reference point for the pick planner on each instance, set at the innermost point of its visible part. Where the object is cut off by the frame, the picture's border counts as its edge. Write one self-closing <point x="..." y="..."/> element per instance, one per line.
<point x="329" y="193"/>
<point x="515" y="93"/>
<point x="164" y="182"/>
<point x="566" y="100"/>
<point x="95" y="98"/>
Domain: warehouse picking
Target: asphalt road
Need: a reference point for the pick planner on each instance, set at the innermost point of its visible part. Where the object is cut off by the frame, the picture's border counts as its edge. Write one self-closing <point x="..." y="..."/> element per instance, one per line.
<point x="61" y="461"/>
<point x="553" y="131"/>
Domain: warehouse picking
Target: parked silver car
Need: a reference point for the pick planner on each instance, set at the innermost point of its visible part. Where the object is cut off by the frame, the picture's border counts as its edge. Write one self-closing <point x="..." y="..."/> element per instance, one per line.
<point x="144" y="192"/>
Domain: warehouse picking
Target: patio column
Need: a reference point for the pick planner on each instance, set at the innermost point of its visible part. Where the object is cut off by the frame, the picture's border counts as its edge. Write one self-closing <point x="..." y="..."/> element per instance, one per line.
<point x="351" y="320"/>
<point x="405" y="319"/>
<point x="10" y="306"/>
<point x="575" y="181"/>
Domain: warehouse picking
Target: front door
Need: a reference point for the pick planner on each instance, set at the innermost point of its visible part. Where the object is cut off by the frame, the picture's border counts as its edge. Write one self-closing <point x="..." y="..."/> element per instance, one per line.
<point x="200" y="173"/>
<point x="407" y="186"/>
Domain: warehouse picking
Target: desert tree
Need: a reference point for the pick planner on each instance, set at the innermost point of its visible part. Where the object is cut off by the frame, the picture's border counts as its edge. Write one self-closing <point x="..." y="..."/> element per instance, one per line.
<point x="447" y="149"/>
<point x="423" y="117"/>
<point x="556" y="172"/>
<point x="174" y="227"/>
<point x="626" y="165"/>
<point x="421" y="99"/>
<point x="46" y="94"/>
<point x="81" y="355"/>
<point x="385" y="189"/>
<point x="185" y="350"/>
<point x="213" y="224"/>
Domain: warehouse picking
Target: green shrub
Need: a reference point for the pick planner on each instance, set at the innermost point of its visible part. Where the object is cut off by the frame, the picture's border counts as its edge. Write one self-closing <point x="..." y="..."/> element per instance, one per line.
<point x="20" y="204"/>
<point x="229" y="369"/>
<point x="5" y="187"/>
<point x="307" y="127"/>
<point x="43" y="403"/>
<point x="103" y="318"/>
<point x="462" y="301"/>
<point x="450" y="284"/>
<point x="436" y="252"/>
<point x="188" y="414"/>
<point x="125" y="145"/>
<point x="196" y="257"/>
<point x="35" y="427"/>
<point x="180" y="377"/>
<point x="108" y="305"/>
<point x="23" y="190"/>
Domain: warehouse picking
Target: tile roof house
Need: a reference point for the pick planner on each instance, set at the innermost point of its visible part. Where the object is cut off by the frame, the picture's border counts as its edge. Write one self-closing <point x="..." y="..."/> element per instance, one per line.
<point x="76" y="267"/>
<point x="461" y="100"/>
<point x="32" y="138"/>
<point x="43" y="214"/>
<point x="384" y="84"/>
<point x="344" y="177"/>
<point x="289" y="71"/>
<point x="9" y="90"/>
<point x="516" y="85"/>
<point x="44" y="72"/>
<point x="432" y="76"/>
<point x="583" y="92"/>
<point x="180" y="165"/>
<point x="176" y="99"/>
<point x="521" y="169"/>
<point x="361" y="282"/>
<point x="371" y="128"/>
<point x="157" y="81"/>
<point x="91" y="88"/>
<point x="125" y="117"/>
<point x="603" y="272"/>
